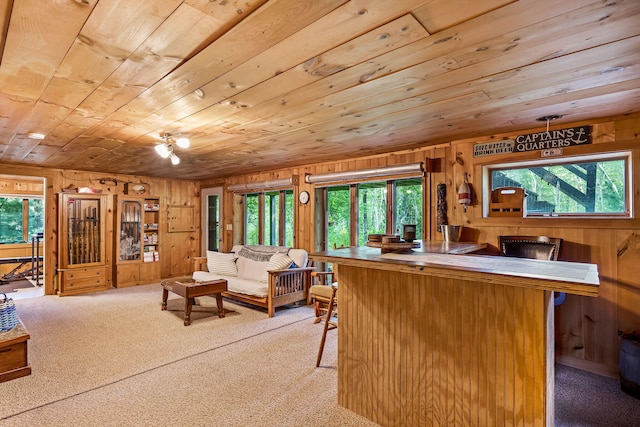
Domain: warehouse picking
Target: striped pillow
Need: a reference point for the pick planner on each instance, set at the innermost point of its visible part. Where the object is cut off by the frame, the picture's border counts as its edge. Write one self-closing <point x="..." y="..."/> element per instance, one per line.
<point x="277" y="261"/>
<point x="222" y="263"/>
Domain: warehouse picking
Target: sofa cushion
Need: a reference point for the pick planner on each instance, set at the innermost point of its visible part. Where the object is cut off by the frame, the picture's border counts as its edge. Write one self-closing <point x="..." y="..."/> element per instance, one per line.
<point x="250" y="268"/>
<point x="299" y="257"/>
<point x="235" y="284"/>
<point x="222" y="263"/>
<point x="278" y="261"/>
<point x="255" y="255"/>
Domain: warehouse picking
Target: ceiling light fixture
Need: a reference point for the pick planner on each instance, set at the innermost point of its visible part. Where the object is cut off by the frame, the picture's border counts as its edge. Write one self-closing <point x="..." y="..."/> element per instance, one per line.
<point x="548" y="119"/>
<point x="165" y="149"/>
<point x="35" y="135"/>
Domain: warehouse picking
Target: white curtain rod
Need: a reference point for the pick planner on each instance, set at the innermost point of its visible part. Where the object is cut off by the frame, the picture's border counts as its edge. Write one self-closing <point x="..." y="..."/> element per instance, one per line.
<point x="250" y="186"/>
<point x="366" y="173"/>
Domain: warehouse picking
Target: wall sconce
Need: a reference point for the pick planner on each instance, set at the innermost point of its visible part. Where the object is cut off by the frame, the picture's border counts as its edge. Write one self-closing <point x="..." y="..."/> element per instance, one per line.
<point x="165" y="149"/>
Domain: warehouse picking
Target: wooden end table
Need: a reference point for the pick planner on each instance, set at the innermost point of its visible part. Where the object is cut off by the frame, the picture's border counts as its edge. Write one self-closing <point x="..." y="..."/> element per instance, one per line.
<point x="188" y="288"/>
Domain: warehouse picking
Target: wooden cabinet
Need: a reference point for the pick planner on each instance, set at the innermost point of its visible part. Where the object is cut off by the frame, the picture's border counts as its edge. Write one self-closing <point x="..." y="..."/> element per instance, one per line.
<point x="82" y="262"/>
<point x="181" y="219"/>
<point x="137" y="255"/>
<point x="129" y="247"/>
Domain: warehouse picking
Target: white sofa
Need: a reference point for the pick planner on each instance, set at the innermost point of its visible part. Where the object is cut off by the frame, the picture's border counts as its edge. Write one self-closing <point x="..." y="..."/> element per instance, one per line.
<point x="266" y="276"/>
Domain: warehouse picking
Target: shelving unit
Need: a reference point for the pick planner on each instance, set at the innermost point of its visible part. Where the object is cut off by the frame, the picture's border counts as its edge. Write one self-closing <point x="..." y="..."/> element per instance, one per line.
<point x="137" y="252"/>
<point x="151" y="228"/>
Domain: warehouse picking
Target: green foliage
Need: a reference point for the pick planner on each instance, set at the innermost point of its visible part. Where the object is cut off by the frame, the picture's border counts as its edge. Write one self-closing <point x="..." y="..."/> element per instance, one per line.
<point x="338" y="216"/>
<point x="408" y="201"/>
<point x="288" y="218"/>
<point x="251" y="219"/>
<point x="11" y="219"/>
<point x="372" y="210"/>
<point x="575" y="188"/>
<point x="271" y="217"/>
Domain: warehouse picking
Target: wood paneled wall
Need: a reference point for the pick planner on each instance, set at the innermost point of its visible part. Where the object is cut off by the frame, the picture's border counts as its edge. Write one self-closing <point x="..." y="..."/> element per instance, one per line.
<point x="176" y="249"/>
<point x="459" y="352"/>
<point x="587" y="329"/>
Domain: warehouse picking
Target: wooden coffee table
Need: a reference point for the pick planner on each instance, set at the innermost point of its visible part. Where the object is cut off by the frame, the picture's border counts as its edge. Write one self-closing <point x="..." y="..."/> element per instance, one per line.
<point x="188" y="288"/>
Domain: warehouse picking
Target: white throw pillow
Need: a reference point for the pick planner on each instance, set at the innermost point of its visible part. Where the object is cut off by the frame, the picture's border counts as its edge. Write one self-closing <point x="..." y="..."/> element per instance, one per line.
<point x="222" y="263"/>
<point x="277" y="261"/>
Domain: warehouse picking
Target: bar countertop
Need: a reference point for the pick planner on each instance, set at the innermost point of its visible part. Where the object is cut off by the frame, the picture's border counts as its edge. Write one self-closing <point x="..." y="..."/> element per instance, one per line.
<point x="449" y="260"/>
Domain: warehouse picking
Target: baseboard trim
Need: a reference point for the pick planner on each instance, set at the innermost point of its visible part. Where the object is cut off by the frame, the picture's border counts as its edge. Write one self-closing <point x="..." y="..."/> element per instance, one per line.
<point x="586" y="365"/>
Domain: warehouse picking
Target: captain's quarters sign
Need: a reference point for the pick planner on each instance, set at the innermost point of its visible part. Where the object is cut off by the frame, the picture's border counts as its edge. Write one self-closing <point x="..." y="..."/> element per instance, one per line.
<point x="536" y="141"/>
<point x="493" y="148"/>
<point x="553" y="139"/>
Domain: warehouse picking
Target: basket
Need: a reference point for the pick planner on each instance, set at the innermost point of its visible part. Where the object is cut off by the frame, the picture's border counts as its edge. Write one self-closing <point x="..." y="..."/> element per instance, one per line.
<point x="8" y="316"/>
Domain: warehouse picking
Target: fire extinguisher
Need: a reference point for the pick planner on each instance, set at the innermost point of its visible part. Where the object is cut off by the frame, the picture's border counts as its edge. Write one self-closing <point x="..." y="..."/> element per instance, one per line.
<point x="464" y="194"/>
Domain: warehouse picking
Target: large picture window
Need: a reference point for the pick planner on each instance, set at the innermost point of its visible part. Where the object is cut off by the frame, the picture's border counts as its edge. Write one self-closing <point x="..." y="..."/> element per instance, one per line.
<point x="20" y="218"/>
<point x="587" y="186"/>
<point x="378" y="208"/>
<point x="273" y="225"/>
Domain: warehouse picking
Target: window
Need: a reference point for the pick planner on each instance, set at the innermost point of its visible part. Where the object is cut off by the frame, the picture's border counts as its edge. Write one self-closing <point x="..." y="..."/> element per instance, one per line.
<point x="271" y="217"/>
<point x="408" y="204"/>
<point x="20" y="218"/>
<point x="251" y="222"/>
<point x="288" y="218"/>
<point x="267" y="220"/>
<point x="213" y="222"/>
<point x="338" y="217"/>
<point x="372" y="210"/>
<point x="580" y="186"/>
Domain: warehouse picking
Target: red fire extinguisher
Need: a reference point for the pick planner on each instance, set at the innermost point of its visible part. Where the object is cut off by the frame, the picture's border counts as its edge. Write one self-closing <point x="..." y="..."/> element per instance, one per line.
<point x="464" y="193"/>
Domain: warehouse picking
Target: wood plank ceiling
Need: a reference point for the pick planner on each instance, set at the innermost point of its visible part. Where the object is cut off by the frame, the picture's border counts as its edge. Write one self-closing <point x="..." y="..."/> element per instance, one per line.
<point x="266" y="84"/>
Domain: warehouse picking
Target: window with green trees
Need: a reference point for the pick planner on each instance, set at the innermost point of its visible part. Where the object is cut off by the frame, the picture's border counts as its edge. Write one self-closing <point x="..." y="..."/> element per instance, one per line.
<point x="288" y="218"/>
<point x="251" y="222"/>
<point x="587" y="186"/>
<point x="372" y="210"/>
<point x="271" y="217"/>
<point x="372" y="213"/>
<point x="338" y="217"/>
<point x="15" y="226"/>
<point x="408" y="204"/>
<point x="273" y="213"/>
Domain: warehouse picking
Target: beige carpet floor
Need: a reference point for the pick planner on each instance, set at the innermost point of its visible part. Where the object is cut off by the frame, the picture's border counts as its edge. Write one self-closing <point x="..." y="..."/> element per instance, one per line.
<point x="115" y="359"/>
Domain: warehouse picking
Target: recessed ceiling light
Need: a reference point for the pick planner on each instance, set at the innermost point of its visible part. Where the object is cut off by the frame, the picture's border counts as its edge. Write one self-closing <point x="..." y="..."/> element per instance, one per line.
<point x="35" y="135"/>
<point x="199" y="93"/>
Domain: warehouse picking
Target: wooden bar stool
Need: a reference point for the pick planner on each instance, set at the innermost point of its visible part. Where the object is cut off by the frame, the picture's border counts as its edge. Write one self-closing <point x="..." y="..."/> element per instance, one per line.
<point x="331" y="317"/>
<point x="320" y="292"/>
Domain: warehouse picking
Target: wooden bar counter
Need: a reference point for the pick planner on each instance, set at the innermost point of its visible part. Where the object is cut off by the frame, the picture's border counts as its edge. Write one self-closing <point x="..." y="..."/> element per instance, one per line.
<point x="431" y="338"/>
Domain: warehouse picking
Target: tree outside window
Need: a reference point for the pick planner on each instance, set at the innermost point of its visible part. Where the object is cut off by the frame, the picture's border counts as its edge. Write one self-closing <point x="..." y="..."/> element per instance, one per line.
<point x="408" y="204"/>
<point x="579" y="187"/>
<point x="15" y="226"/>
<point x="338" y="217"/>
<point x="288" y="218"/>
<point x="273" y="214"/>
<point x="251" y="222"/>
<point x="372" y="210"/>
<point x="271" y="217"/>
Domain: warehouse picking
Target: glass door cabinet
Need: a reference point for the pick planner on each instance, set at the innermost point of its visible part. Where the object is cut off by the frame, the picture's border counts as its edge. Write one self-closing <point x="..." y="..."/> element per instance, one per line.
<point x="81" y="252"/>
